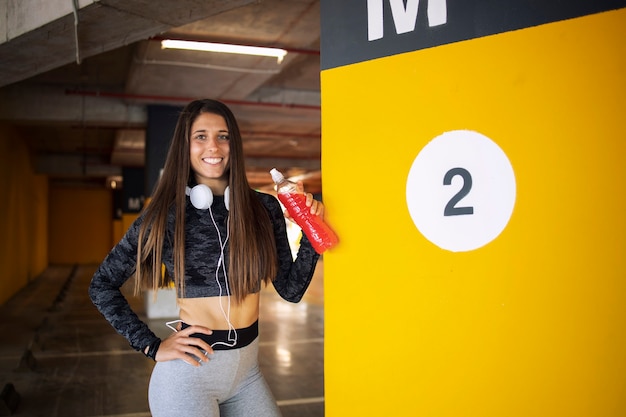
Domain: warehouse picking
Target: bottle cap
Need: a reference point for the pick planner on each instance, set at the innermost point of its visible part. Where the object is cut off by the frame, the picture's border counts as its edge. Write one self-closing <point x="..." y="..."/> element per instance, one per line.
<point x="276" y="175"/>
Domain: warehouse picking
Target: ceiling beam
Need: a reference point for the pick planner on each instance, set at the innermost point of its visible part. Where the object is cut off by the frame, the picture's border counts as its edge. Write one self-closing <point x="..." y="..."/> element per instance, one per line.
<point x="37" y="36"/>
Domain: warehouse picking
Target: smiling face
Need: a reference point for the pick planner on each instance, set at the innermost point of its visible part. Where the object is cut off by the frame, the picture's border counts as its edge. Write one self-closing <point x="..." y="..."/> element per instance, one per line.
<point x="209" y="151"/>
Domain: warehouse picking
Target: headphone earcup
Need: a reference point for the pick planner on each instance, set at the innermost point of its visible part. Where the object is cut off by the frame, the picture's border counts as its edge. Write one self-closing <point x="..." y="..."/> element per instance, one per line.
<point x="201" y="196"/>
<point x="227" y="198"/>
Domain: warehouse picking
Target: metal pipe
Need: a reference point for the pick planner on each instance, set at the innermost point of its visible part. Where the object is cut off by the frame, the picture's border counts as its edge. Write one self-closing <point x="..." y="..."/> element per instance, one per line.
<point x="148" y="97"/>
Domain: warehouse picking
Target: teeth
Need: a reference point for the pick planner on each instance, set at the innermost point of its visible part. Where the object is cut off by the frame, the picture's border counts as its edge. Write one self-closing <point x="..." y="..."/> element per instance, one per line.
<point x="212" y="160"/>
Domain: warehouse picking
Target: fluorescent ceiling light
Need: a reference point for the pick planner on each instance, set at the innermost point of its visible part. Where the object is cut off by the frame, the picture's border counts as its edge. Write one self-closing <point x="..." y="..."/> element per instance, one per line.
<point x="226" y="48"/>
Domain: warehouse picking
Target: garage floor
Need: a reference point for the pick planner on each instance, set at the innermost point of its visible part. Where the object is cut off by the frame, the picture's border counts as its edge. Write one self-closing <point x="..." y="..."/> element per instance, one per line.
<point x="63" y="359"/>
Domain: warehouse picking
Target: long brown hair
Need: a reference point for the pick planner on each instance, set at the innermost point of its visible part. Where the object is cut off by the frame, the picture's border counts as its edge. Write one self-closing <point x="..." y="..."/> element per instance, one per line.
<point x="252" y="247"/>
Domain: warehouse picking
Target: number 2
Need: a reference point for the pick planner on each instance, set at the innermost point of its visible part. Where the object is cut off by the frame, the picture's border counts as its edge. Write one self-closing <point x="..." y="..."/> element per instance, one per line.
<point x="451" y="209"/>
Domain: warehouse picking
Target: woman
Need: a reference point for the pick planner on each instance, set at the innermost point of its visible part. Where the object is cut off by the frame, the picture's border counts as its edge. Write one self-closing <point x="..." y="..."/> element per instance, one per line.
<point x="218" y="257"/>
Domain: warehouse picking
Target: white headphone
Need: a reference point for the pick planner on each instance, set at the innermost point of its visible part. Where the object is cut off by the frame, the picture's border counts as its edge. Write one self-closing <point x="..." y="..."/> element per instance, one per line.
<point x="201" y="196"/>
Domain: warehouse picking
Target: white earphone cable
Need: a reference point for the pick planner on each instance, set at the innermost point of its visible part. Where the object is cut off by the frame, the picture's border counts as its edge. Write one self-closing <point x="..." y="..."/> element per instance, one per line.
<point x="232" y="332"/>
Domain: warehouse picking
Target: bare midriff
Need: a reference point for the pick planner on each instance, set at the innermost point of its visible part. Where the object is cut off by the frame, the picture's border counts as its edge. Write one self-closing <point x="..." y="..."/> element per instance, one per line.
<point x="213" y="312"/>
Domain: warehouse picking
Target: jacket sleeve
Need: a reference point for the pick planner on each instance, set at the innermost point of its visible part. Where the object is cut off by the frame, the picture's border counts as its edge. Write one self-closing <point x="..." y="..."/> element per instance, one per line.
<point x="106" y="295"/>
<point x="294" y="276"/>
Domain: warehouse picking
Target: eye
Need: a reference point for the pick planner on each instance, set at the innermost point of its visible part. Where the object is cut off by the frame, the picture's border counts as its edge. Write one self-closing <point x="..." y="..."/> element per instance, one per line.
<point x="199" y="136"/>
<point x="225" y="137"/>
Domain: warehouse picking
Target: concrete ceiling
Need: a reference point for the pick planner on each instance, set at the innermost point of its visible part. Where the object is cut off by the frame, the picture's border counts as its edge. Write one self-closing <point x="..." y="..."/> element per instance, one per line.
<point x="77" y="82"/>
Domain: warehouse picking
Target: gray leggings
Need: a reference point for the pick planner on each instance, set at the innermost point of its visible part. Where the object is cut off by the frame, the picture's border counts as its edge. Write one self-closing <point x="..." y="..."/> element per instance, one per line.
<point x="229" y="385"/>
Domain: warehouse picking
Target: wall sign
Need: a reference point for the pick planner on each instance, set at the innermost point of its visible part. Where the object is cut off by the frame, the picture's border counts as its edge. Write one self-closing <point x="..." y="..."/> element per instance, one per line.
<point x="370" y="29"/>
<point x="461" y="190"/>
<point x="133" y="192"/>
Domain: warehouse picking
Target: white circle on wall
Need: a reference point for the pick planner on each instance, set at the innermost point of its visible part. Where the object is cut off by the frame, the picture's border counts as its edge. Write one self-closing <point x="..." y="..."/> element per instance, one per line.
<point x="461" y="190"/>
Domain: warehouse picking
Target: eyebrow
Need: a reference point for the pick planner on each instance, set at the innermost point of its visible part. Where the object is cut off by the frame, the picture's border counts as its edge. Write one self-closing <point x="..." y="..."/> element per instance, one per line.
<point x="205" y="130"/>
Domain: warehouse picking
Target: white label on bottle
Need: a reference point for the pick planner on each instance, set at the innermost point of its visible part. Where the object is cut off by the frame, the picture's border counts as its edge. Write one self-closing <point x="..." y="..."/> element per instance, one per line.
<point x="461" y="190"/>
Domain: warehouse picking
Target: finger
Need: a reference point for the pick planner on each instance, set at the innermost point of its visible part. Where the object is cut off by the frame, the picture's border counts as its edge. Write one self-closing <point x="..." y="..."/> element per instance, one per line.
<point x="320" y="210"/>
<point x="316" y="207"/>
<point x="194" y="360"/>
<point x="183" y="341"/>
<point x="195" y="329"/>
<point x="199" y="350"/>
<point x="186" y="349"/>
<point x="300" y="186"/>
<point x="194" y="344"/>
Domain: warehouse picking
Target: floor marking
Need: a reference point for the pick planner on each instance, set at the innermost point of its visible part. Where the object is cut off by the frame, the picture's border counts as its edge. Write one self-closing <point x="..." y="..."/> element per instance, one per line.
<point x="293" y="342"/>
<point x="125" y="415"/>
<point x="49" y="355"/>
<point x="300" y="401"/>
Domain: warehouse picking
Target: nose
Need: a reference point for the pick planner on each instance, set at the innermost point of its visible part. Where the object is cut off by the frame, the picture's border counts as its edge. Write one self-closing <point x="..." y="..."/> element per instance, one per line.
<point x="211" y="143"/>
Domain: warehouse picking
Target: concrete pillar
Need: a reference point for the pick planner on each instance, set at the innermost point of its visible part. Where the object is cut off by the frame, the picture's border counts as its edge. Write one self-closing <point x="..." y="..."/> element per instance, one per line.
<point x="480" y="269"/>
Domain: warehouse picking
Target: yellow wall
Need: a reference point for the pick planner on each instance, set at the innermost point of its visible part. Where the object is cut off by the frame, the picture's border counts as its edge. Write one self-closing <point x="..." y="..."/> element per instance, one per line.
<point x="80" y="225"/>
<point x="531" y="324"/>
<point x="41" y="224"/>
<point x="117" y="231"/>
<point x="23" y="215"/>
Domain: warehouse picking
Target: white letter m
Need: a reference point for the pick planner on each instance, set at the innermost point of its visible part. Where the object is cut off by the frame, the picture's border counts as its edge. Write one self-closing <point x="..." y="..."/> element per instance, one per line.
<point x="403" y="18"/>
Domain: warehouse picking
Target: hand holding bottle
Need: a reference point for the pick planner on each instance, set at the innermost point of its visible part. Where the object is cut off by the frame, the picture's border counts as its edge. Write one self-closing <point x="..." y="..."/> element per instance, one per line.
<point x="315" y="207"/>
<point x="305" y="211"/>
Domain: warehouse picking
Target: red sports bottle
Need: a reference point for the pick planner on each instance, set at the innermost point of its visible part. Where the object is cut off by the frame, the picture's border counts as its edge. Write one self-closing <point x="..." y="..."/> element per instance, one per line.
<point x="319" y="233"/>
